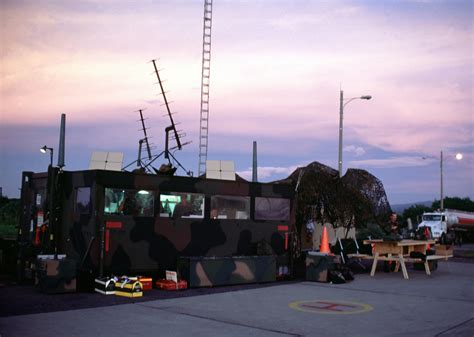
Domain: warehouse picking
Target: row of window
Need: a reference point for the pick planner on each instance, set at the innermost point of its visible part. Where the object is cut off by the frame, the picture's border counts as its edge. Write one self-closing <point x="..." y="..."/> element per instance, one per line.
<point x="191" y="205"/>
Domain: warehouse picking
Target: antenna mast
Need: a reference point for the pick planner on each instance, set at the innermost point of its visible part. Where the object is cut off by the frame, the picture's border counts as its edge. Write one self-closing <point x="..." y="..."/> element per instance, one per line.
<point x="205" y="75"/>
<point x="176" y="135"/>
<point x="144" y="132"/>
<point x="163" y="93"/>
<point x="139" y="161"/>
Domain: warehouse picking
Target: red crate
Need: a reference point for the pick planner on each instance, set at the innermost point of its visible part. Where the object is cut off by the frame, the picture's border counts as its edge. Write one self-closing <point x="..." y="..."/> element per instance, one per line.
<point x="171" y="285"/>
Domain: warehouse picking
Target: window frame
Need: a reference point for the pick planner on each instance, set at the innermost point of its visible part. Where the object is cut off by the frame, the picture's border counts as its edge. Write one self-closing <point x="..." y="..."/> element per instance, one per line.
<point x="131" y="194"/>
<point x="245" y="199"/>
<point x="174" y="194"/>
<point x="78" y="210"/>
<point x="257" y="212"/>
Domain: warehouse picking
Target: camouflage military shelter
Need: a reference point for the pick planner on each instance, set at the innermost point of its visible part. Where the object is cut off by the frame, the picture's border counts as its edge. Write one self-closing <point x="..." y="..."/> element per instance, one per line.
<point x="116" y="222"/>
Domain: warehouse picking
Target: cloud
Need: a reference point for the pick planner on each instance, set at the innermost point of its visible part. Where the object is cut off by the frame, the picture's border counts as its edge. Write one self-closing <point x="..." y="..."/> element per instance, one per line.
<point x="276" y="72"/>
<point x="357" y="150"/>
<point x="265" y="172"/>
<point x="394" y="162"/>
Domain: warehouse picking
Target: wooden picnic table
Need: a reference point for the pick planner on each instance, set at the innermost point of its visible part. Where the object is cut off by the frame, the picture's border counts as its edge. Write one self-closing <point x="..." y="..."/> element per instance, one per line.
<point x="399" y="252"/>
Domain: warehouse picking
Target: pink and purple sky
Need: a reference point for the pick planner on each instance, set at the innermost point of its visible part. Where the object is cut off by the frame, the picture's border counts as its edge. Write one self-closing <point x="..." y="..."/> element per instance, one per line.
<point x="276" y="71"/>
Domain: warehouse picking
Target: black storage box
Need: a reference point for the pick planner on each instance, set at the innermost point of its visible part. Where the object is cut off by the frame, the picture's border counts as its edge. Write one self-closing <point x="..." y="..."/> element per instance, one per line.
<point x="318" y="265"/>
<point x="56" y="276"/>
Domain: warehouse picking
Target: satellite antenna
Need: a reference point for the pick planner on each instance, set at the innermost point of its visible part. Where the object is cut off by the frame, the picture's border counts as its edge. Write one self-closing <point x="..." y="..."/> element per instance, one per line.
<point x="220" y="169"/>
<point x="176" y="136"/>
<point x="111" y="161"/>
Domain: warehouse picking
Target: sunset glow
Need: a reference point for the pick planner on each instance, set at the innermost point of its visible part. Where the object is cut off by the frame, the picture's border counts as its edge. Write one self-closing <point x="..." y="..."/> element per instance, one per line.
<point x="276" y="71"/>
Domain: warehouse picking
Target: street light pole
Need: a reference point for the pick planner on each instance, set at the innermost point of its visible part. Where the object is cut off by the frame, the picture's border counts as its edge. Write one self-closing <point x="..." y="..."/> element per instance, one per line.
<point x="441" y="202"/>
<point x="341" y="113"/>
<point x="458" y="156"/>
<point x="341" y="117"/>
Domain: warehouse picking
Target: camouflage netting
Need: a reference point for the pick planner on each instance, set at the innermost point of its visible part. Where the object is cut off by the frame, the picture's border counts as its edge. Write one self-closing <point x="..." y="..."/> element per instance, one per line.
<point x="370" y="187"/>
<point x="358" y="198"/>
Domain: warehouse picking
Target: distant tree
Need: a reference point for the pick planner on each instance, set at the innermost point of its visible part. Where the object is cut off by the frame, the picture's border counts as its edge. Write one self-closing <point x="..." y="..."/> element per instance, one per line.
<point x="9" y="216"/>
<point x="414" y="213"/>
<point x="3" y="201"/>
<point x="460" y="204"/>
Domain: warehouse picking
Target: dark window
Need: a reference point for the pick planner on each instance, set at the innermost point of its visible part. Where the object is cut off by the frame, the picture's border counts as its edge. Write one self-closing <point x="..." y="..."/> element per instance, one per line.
<point x="182" y="205"/>
<point x="272" y="209"/>
<point x="129" y="202"/>
<point x="230" y="207"/>
<point x="83" y="200"/>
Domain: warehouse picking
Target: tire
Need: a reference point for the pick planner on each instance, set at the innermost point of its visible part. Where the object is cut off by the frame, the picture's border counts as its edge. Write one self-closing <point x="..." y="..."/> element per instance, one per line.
<point x="442" y="239"/>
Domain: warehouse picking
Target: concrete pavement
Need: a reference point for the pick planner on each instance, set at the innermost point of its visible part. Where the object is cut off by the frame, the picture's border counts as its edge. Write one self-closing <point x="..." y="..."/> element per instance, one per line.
<point x="385" y="305"/>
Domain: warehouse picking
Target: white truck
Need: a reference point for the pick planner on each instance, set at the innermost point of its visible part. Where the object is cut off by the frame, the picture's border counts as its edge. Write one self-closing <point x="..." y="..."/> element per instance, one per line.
<point x="449" y="224"/>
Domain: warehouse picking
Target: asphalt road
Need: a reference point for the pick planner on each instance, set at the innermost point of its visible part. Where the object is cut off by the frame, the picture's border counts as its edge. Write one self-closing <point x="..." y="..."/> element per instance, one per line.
<point x="384" y="305"/>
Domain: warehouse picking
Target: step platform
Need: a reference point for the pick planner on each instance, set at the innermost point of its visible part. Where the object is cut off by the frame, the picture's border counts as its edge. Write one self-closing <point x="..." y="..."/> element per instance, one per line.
<point x="210" y="271"/>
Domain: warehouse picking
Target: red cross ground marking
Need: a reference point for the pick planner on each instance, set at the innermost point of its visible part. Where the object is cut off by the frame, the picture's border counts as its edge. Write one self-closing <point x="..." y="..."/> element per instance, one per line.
<point x="330" y="306"/>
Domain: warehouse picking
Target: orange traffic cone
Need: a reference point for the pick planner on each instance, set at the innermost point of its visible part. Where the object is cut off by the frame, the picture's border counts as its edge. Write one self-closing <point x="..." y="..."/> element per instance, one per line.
<point x="324" y="247"/>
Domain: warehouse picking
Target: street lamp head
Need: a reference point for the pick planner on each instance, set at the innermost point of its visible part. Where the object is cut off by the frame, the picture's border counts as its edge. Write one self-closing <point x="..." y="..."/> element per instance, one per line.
<point x="366" y="97"/>
<point x="44" y="149"/>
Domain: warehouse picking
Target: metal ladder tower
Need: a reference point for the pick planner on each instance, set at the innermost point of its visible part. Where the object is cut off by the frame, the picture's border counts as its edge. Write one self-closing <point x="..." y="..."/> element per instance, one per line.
<point x="205" y="75"/>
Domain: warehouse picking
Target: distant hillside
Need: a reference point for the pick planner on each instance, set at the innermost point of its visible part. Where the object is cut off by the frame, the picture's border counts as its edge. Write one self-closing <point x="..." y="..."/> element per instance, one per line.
<point x="399" y="208"/>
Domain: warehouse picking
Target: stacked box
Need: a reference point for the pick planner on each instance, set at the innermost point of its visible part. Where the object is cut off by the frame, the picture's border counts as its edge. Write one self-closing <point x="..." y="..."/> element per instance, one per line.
<point x="105" y="285"/>
<point x="128" y="288"/>
<point x="171" y="285"/>
<point x="147" y="282"/>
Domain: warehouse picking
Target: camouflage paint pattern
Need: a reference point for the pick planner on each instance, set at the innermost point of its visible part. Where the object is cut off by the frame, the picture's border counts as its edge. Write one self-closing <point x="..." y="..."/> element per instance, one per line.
<point x="128" y="244"/>
<point x="215" y="271"/>
<point x="318" y="265"/>
<point x="56" y="276"/>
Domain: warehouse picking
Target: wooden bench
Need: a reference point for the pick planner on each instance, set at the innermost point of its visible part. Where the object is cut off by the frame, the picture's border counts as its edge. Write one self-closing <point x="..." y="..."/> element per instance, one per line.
<point x="360" y="256"/>
<point x="407" y="258"/>
<point x="439" y="257"/>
